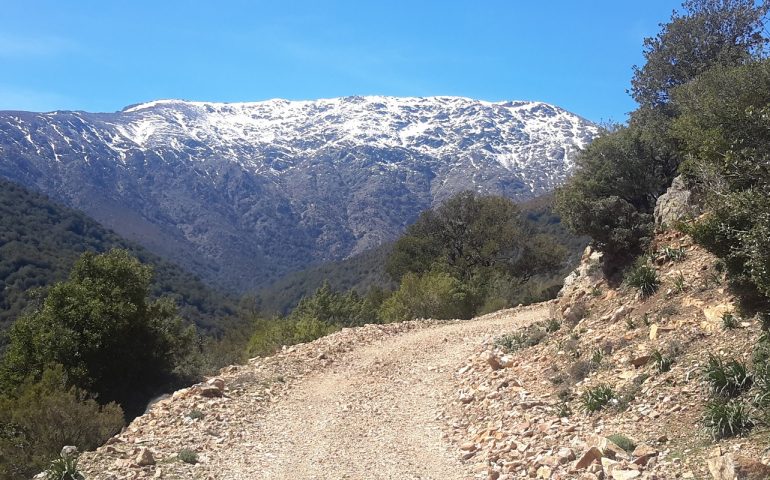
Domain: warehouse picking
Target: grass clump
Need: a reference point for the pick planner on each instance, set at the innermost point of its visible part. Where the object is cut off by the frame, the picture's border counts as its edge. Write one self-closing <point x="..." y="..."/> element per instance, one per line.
<point x="188" y="456"/>
<point x="623" y="442"/>
<point x="643" y="277"/>
<point x="196" y="415"/>
<point x="680" y="285"/>
<point x="529" y="337"/>
<point x="553" y="325"/>
<point x="674" y="254"/>
<point x="729" y="321"/>
<point x="727" y="418"/>
<point x="594" y="399"/>
<point x="64" y="468"/>
<point x="662" y="362"/>
<point x="727" y="378"/>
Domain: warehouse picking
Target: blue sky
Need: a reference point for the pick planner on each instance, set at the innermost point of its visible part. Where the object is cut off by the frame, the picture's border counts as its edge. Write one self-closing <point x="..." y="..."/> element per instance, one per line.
<point x="104" y="55"/>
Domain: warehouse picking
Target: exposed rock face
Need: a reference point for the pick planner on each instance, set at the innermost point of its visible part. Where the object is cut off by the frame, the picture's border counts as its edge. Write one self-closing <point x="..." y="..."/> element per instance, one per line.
<point x="736" y="467"/>
<point x="675" y="205"/>
<point x="242" y="193"/>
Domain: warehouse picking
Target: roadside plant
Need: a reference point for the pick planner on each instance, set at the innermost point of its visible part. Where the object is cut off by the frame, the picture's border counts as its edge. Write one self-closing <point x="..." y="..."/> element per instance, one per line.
<point x="674" y="254"/>
<point x="727" y="378"/>
<point x="679" y="283"/>
<point x="662" y="363"/>
<point x="64" y="468"/>
<point x="729" y="321"/>
<point x="188" y="456"/>
<point x="596" y="398"/>
<point x="643" y="277"/>
<point x="623" y="442"/>
<point x="727" y="418"/>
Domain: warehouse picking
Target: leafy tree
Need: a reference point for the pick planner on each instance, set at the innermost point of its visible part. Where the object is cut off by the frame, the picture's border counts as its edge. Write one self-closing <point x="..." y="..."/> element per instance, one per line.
<point x="470" y="234"/>
<point x="724" y="127"/>
<point x="705" y="34"/>
<point x="613" y="192"/>
<point x="101" y="327"/>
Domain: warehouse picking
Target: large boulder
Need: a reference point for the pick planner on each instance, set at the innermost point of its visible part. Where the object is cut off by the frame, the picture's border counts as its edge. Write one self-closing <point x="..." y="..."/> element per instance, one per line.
<point x="677" y="204"/>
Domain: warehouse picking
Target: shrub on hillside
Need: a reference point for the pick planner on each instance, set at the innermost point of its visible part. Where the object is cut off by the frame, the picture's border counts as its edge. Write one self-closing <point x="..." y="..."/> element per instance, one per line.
<point x="105" y="333"/>
<point x="432" y="295"/>
<point x="643" y="277"/>
<point x="41" y="417"/>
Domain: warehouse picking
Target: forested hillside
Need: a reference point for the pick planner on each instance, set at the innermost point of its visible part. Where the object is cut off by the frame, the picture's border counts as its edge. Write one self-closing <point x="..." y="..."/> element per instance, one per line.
<point x="41" y="240"/>
<point x="366" y="270"/>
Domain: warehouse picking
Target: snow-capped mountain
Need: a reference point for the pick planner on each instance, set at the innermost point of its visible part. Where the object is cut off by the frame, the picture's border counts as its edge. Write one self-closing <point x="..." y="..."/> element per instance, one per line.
<point x="243" y="192"/>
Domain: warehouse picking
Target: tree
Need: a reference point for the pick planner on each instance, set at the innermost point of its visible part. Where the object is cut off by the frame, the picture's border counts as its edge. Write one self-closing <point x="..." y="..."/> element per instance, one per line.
<point x="706" y="33"/>
<point x="469" y="235"/>
<point x="613" y="192"/>
<point x="724" y="128"/>
<point x="101" y="328"/>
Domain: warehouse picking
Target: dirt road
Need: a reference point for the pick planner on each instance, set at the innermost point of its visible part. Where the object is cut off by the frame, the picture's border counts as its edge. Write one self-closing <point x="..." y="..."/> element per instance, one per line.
<point x="376" y="413"/>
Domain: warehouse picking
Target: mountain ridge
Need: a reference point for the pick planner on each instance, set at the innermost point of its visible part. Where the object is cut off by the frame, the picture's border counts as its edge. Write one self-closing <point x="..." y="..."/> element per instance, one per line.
<point x="243" y="193"/>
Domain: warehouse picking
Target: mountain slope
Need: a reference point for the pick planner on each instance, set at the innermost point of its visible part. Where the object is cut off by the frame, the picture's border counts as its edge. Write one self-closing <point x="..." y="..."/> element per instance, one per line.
<point x="40" y="241"/>
<point x="242" y="193"/>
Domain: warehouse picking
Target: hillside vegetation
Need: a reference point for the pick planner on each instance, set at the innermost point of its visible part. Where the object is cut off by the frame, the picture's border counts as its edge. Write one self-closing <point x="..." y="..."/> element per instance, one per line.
<point x="41" y="240"/>
<point x="472" y="254"/>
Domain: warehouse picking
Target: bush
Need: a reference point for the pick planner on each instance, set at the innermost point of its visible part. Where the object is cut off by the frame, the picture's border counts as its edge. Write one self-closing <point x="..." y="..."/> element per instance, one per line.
<point x="46" y="415"/>
<point x="643" y="277"/>
<point x="109" y="338"/>
<point x="188" y="456"/>
<point x="432" y="295"/>
<point x="594" y="399"/>
<point x="623" y="442"/>
<point x="64" y="468"/>
<point x="529" y="337"/>
<point x="727" y="379"/>
<point x="727" y="418"/>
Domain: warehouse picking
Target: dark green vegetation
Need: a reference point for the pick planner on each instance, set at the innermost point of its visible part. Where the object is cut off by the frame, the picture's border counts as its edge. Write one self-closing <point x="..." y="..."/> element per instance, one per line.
<point x="470" y="255"/>
<point x="40" y="241"/>
<point x="366" y="271"/>
<point x="704" y="114"/>
<point x="361" y="273"/>
<point x="620" y="176"/>
<point x="96" y="336"/>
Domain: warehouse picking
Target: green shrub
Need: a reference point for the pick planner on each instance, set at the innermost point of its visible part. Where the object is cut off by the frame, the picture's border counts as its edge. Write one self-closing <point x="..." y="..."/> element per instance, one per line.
<point x="594" y="399"/>
<point x="643" y="277"/>
<point x="623" y="442"/>
<point x="529" y="337"/>
<point x="727" y="418"/>
<point x="188" y="456"/>
<point x="64" y="468"/>
<point x="729" y="379"/>
<point x="432" y="295"/>
<point x="729" y="321"/>
<point x="195" y="415"/>
<point x="109" y="337"/>
<point x="674" y="254"/>
<point x="761" y="386"/>
<point x="45" y="415"/>
<point x="553" y="325"/>
<point x="680" y="284"/>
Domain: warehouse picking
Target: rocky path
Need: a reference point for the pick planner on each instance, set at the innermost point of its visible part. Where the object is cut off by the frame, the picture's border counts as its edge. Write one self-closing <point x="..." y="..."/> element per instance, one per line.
<point x="377" y="412"/>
